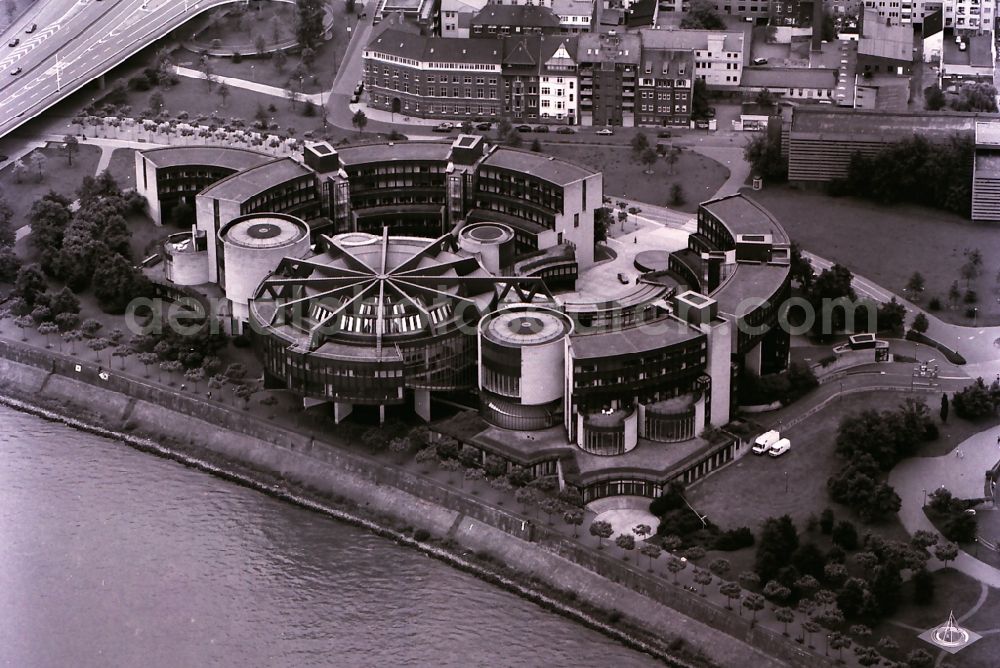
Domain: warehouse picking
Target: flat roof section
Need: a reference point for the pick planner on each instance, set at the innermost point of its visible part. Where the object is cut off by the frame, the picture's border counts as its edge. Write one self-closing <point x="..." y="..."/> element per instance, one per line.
<point x="243" y="185"/>
<point x="397" y="151"/>
<point x="749" y="281"/>
<point x="230" y="158"/>
<point x="553" y="170"/>
<point x="742" y="215"/>
<point x="858" y="125"/>
<point x="652" y="336"/>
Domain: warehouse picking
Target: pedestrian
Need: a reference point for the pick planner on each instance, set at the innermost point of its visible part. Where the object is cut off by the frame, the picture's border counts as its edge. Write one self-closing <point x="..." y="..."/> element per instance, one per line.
<point x="183" y="387"/>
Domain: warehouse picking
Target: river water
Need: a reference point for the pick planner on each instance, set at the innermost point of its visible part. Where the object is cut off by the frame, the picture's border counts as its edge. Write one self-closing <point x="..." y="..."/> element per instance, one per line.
<point x="113" y="557"/>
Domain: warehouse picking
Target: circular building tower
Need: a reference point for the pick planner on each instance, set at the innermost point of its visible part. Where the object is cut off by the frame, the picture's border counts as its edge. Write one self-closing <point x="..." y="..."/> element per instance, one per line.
<point x="252" y="247"/>
<point x="522" y="366"/>
<point x="493" y="243"/>
<point x="372" y="319"/>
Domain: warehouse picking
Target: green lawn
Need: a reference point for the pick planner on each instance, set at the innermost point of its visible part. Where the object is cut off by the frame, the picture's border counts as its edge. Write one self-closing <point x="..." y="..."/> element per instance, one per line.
<point x="273" y="21"/>
<point x="624" y="175"/>
<point x="57" y="175"/>
<point x="857" y="233"/>
<point x="122" y="167"/>
<point x="262" y="70"/>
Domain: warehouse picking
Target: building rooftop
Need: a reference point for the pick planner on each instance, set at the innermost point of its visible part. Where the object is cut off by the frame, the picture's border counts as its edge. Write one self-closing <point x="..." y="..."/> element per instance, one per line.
<point x="553" y="170"/>
<point x="789" y="77"/>
<point x="667" y="62"/>
<point x="516" y="15"/>
<point x="855" y="125"/>
<point x="217" y="156"/>
<point x="879" y="39"/>
<point x="612" y="48"/>
<point x="403" y="44"/>
<point x="633" y="340"/>
<point x="978" y="52"/>
<point x="694" y="40"/>
<point x="245" y="184"/>
<point x="749" y="281"/>
<point x="264" y="231"/>
<point x="573" y="7"/>
<point x="388" y="152"/>
<point x="742" y="215"/>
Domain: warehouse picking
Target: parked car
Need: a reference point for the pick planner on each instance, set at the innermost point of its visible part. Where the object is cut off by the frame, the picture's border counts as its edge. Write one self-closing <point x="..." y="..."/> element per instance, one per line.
<point x="701" y="125"/>
<point x="355" y="98"/>
<point x="764" y="442"/>
<point x="14" y="42"/>
<point x="485" y="125"/>
<point x="606" y="132"/>
<point x="541" y="128"/>
<point x="664" y="134"/>
<point x="760" y="61"/>
<point x="30" y="29"/>
<point x="623" y="278"/>
<point x="444" y="127"/>
<point x="14" y="72"/>
<point x="523" y="128"/>
<point x="780" y="448"/>
<point x="359" y="88"/>
<point x="566" y="130"/>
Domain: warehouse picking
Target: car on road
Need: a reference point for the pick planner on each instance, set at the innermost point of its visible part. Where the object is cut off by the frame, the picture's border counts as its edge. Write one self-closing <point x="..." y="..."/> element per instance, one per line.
<point x="523" y="128"/>
<point x="607" y="132"/>
<point x="664" y="134"/>
<point x="485" y="125"/>
<point x="30" y="29"/>
<point x="444" y="127"/>
<point x="14" y="42"/>
<point x="623" y="278"/>
<point x="701" y="125"/>
<point x="760" y="61"/>
<point x="14" y="72"/>
<point x="566" y="130"/>
<point x="762" y="444"/>
<point x="541" y="128"/>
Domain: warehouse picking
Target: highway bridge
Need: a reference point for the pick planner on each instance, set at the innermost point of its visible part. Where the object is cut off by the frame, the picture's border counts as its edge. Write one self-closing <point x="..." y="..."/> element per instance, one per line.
<point x="76" y="42"/>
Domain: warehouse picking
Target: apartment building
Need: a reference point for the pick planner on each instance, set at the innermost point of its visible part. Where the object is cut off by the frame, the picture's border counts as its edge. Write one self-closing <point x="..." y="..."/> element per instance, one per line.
<point x="665" y="87"/>
<point x="608" y="67"/>
<point x="719" y="57"/>
<point x="972" y="16"/>
<point x="514" y="20"/>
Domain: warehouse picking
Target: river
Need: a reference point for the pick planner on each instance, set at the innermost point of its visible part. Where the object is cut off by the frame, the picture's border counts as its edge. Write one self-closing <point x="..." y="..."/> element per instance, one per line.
<point x="113" y="557"/>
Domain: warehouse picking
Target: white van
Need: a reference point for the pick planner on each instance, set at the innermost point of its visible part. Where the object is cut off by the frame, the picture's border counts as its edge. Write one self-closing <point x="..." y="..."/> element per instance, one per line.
<point x="764" y="442"/>
<point x="780" y="448"/>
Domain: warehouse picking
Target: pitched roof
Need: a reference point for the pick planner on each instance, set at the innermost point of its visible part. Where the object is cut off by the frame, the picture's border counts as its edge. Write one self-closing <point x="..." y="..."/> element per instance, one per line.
<point x="395" y="42"/>
<point x="520" y="51"/>
<point x="516" y="15"/>
<point x="595" y="47"/>
<point x="557" y="51"/>
<point x="667" y="62"/>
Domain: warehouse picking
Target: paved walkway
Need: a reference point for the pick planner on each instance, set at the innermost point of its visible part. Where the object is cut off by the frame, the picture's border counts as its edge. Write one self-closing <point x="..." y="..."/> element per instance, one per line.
<point x="963" y="476"/>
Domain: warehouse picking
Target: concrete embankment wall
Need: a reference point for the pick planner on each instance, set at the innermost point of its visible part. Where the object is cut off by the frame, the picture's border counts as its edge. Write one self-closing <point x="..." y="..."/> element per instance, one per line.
<point x="200" y="432"/>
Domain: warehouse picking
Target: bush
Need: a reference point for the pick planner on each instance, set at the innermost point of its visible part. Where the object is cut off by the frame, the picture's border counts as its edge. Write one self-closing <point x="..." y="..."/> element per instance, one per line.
<point x="970" y="297"/>
<point x="923" y="587"/>
<point x="679" y="522"/>
<point x="671" y="499"/>
<point x="734" y="539"/>
<point x="934" y="304"/>
<point x="845" y="535"/>
<point x="973" y="402"/>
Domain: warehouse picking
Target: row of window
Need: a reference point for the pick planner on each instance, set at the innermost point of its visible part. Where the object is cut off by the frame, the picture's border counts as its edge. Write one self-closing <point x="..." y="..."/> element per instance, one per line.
<point x="664" y="108"/>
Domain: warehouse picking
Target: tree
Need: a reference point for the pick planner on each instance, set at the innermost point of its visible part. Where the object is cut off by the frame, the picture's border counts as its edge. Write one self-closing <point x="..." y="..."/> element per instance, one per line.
<point x="47" y="329"/>
<point x="650" y="550"/>
<point x="260" y="44"/>
<point x="675" y="566"/>
<point x="241" y="391"/>
<point x="359" y="120"/>
<point x="778" y="540"/>
<point x="626" y="542"/>
<point x="920" y="323"/>
<point x="845" y="535"/>
<point x="309" y="28"/>
<point x="97" y="345"/>
<point x="891" y="316"/>
<point x="923" y="587"/>
<point x="748" y="579"/>
<point x="974" y="401"/>
<point x="308" y="57"/>
<point x="809" y="627"/>
<point x="763" y="152"/>
<point x="720" y="567"/>
<point x="147" y="359"/>
<point x="699" y="100"/>
<point x="602" y="530"/>
<point x="38" y="161"/>
<point x="279" y="60"/>
<point x="826" y="521"/>
<point x="731" y="591"/>
<point x="754" y="603"/>
<point x="640" y="142"/>
<point x="785" y="616"/>
<point x="116" y="283"/>
<point x="195" y="376"/>
<point x="954" y="294"/>
<point x="64" y="302"/>
<point x="223" y="92"/>
<point x="573" y="517"/>
<point x="919" y="658"/>
<point x="703" y="15"/>
<point x="19" y="169"/>
<point x="536" y="146"/>
<point x="29" y="284"/>
<point x="915" y="286"/>
<point x="839" y="641"/>
<point x="70" y="147"/>
<point x="703" y="578"/>
<point x="976" y="97"/>
<point x="934" y="99"/>
<point x="776" y="592"/>
<point x="649" y="158"/>
<point x="24" y="322"/>
<point x="72" y="337"/>
<point x="944" y="407"/>
<point x="946" y="552"/>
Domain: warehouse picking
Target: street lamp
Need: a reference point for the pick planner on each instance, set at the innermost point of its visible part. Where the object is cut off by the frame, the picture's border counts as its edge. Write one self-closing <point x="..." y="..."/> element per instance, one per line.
<point x="786" y="482"/>
<point x="252" y="78"/>
<point x="925" y="498"/>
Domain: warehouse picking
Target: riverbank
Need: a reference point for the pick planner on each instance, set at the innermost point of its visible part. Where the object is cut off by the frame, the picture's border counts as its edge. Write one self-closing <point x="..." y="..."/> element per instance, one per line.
<point x="493" y="544"/>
